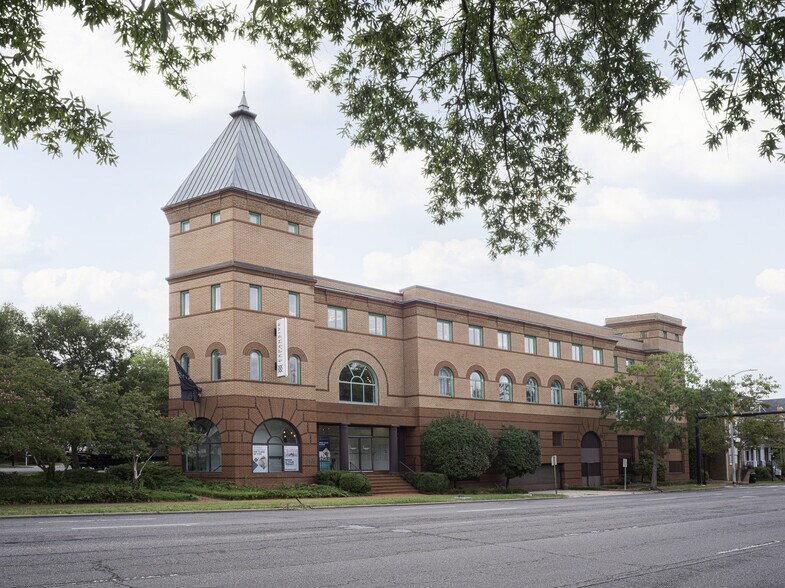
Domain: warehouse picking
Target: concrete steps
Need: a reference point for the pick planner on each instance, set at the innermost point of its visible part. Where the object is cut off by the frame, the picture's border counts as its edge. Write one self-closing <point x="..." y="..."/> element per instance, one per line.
<point x="385" y="483"/>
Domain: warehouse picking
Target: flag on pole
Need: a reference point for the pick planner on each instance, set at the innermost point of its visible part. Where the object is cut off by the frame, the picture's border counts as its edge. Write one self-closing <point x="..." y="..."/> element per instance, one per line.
<point x="188" y="388"/>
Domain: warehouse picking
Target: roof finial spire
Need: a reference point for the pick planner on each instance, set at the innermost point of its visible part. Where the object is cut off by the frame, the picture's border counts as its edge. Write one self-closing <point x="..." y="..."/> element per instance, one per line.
<point x="244" y="70"/>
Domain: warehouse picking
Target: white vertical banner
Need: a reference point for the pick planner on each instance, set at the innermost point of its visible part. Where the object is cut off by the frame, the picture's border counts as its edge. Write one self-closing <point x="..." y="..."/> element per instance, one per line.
<point x="282" y="347"/>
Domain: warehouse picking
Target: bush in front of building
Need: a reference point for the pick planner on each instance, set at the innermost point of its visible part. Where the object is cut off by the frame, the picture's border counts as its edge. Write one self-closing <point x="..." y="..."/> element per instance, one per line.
<point x="428" y="482"/>
<point x="643" y="467"/>
<point x="156" y="475"/>
<point x="87" y="493"/>
<point x="763" y="473"/>
<point x="457" y="447"/>
<point x="518" y="453"/>
<point x="348" y="481"/>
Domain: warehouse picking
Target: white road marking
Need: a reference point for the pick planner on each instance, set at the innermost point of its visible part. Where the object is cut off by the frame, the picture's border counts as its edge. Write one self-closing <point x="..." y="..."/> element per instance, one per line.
<point x="748" y="547"/>
<point x="134" y="526"/>
<point x="486" y="509"/>
<point x="355" y="527"/>
<point x="401" y="531"/>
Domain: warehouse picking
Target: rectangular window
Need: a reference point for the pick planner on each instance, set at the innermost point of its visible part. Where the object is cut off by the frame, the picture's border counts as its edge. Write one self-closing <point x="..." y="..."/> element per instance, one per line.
<point x="294" y="304"/>
<point x="336" y="318"/>
<point x="644" y="334"/>
<point x="676" y="467"/>
<point x="215" y="217"/>
<point x="677" y="337"/>
<point x="577" y="352"/>
<point x="629" y="362"/>
<point x="615" y="363"/>
<point x="475" y="335"/>
<point x="597" y="356"/>
<point x="254" y="297"/>
<point x="558" y="438"/>
<point x="504" y="338"/>
<point x="215" y="297"/>
<point x="444" y="330"/>
<point x="377" y="324"/>
<point x="185" y="303"/>
<point x="185" y="226"/>
<point x="293" y="228"/>
<point x="530" y="344"/>
<point x="554" y="348"/>
<point x="254" y="218"/>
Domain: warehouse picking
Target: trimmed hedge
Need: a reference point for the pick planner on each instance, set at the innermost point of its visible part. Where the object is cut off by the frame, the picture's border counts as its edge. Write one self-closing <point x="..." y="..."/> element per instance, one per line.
<point x="234" y="493"/>
<point x="428" y="482"/>
<point x="763" y="473"/>
<point x="155" y="475"/>
<point x="74" y="494"/>
<point x="348" y="481"/>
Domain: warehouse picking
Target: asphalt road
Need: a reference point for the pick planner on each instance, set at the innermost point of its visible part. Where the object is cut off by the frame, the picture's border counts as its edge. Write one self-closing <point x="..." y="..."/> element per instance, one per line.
<point x="730" y="537"/>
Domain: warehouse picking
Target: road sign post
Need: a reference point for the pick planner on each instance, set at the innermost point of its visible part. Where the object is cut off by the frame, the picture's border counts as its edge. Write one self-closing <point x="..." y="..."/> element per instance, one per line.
<point x="554" y="463"/>
<point x="624" y="465"/>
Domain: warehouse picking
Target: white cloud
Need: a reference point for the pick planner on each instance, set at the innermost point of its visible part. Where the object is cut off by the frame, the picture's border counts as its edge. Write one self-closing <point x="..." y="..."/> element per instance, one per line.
<point x="16" y="225"/>
<point x="771" y="281"/>
<point x="358" y="191"/>
<point x="628" y="208"/>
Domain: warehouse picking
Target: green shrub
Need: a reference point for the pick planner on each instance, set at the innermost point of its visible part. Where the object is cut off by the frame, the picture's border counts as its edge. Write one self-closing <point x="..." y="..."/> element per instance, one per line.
<point x="84" y="476"/>
<point x="457" y="447"/>
<point x="354" y="483"/>
<point x="432" y="483"/>
<point x="329" y="477"/>
<point x="763" y="473"/>
<point x="155" y="475"/>
<point x="279" y="492"/>
<point x="411" y="477"/>
<point x="72" y="494"/>
<point x="643" y="467"/>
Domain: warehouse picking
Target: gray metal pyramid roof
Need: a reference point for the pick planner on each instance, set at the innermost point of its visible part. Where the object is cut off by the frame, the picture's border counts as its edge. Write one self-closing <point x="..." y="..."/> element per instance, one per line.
<point x="243" y="158"/>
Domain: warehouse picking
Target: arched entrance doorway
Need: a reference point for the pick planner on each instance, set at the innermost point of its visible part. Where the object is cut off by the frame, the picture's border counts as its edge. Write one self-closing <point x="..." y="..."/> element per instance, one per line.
<point x="591" y="460"/>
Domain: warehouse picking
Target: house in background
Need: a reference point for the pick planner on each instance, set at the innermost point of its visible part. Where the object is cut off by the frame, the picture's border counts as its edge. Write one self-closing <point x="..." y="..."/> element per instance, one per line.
<point x="302" y="373"/>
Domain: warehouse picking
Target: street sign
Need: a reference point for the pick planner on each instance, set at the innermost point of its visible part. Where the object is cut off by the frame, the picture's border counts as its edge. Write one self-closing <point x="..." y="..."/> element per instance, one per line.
<point x="624" y="462"/>
<point x="554" y="461"/>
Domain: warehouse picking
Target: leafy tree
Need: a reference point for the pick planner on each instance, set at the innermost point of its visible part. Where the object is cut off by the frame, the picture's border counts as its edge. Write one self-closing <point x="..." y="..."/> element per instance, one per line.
<point x="148" y="372"/>
<point x="518" y="453"/>
<point x="131" y="426"/>
<point x="488" y="90"/>
<point x="654" y="397"/>
<point x="457" y="447"/>
<point x="761" y="430"/>
<point x="15" y="337"/>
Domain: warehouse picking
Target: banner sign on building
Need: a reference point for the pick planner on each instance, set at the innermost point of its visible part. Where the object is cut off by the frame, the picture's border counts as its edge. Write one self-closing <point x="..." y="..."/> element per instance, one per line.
<point x="282" y="347"/>
<point x="260" y="460"/>
<point x="291" y="458"/>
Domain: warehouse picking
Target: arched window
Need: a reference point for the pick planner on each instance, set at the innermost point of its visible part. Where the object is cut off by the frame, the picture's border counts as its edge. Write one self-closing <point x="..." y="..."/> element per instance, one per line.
<point x="357" y="383"/>
<point x="294" y="369"/>
<point x="532" y="392"/>
<point x="556" y="395"/>
<point x="276" y="448"/>
<point x="579" y="395"/>
<point x="215" y="365"/>
<point x="446" y="382"/>
<point x="476" y="386"/>
<point x="185" y="362"/>
<point x="505" y="388"/>
<point x="256" y="366"/>
<point x="205" y="456"/>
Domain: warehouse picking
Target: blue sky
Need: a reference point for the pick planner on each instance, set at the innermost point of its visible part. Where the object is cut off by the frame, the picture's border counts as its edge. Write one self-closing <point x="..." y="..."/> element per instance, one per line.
<point x="674" y="229"/>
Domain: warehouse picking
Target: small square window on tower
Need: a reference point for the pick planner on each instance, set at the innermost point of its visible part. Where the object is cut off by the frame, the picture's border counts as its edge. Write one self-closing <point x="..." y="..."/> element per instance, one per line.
<point x="294" y="304"/>
<point x="215" y="217"/>
<point x="185" y="226"/>
<point x="293" y="228"/>
<point x="254" y="218"/>
<point x="254" y="297"/>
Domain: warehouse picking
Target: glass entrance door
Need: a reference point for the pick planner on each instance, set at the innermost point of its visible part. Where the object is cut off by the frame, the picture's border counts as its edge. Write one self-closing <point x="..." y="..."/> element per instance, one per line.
<point x="361" y="454"/>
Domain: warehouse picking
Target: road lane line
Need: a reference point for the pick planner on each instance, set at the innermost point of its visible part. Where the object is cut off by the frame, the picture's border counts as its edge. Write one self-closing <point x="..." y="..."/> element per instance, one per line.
<point x="486" y="509"/>
<point x="134" y="526"/>
<point x="748" y="547"/>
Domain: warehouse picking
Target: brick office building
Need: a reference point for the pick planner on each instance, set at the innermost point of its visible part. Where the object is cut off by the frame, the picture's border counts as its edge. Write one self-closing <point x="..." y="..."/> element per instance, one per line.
<point x="366" y="369"/>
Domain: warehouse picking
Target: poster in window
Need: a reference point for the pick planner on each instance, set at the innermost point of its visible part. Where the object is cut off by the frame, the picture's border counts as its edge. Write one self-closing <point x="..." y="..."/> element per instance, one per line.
<point x="324" y="453"/>
<point x="291" y="458"/>
<point x="260" y="460"/>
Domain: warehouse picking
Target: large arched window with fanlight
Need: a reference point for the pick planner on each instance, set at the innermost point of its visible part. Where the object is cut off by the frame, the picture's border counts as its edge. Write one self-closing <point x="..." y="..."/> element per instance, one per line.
<point x="204" y="456"/>
<point x="276" y="448"/>
<point x="357" y="383"/>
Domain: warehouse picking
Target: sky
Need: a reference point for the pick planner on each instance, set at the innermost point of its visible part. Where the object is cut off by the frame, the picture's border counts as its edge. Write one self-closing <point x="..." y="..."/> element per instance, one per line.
<point x="675" y="229"/>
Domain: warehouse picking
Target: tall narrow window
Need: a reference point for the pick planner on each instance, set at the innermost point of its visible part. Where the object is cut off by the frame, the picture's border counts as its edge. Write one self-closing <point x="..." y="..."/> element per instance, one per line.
<point x="336" y="318"/>
<point x="294" y="369"/>
<point x="185" y="303"/>
<point x="476" y="386"/>
<point x="577" y="352"/>
<point x="185" y="362"/>
<point x="475" y="335"/>
<point x="293" y="228"/>
<point x="597" y="355"/>
<point x="215" y="365"/>
<point x="530" y="344"/>
<point x="556" y="393"/>
<point x="444" y="330"/>
<point x="503" y="339"/>
<point x="254" y="218"/>
<point x="579" y="395"/>
<point x="205" y="455"/>
<point x="294" y="304"/>
<point x="446" y="382"/>
<point x="254" y="297"/>
<point x="377" y="324"/>
<point x="256" y="366"/>
<point x="532" y="391"/>
<point x="505" y="388"/>
<point x="215" y="297"/>
<point x="215" y="217"/>
<point x="185" y="226"/>
<point x="554" y="348"/>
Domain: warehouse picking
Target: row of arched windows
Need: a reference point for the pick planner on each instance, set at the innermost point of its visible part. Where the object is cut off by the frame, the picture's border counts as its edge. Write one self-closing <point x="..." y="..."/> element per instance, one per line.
<point x="446" y="380"/>
<point x="254" y="368"/>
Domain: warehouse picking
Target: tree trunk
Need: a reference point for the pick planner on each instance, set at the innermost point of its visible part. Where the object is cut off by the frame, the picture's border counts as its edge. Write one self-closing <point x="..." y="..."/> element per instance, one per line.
<point x="507" y="485"/>
<point x="74" y="455"/>
<point x="135" y="463"/>
<point x="653" y="484"/>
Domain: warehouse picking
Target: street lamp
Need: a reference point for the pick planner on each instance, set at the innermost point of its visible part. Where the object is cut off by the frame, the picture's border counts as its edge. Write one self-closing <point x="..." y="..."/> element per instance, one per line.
<point x="733" y="432"/>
